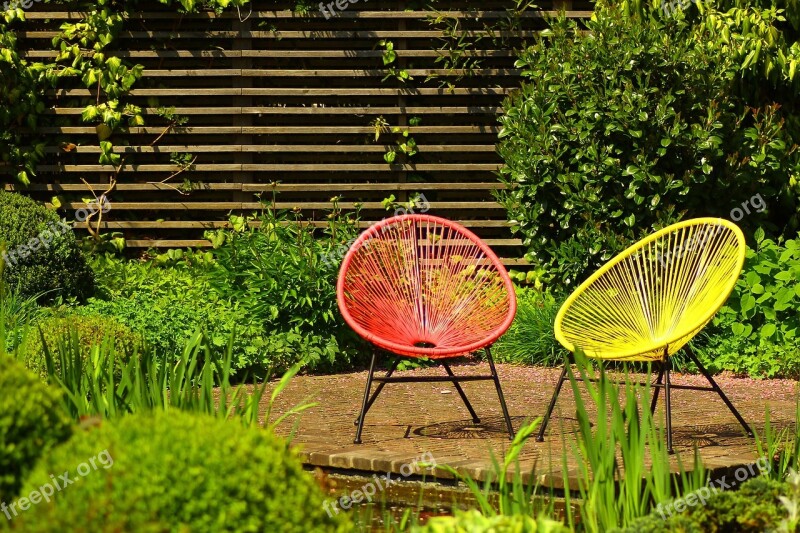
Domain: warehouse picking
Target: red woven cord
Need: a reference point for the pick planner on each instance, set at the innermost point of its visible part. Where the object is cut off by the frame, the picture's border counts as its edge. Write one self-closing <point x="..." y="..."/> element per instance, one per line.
<point x="420" y="285"/>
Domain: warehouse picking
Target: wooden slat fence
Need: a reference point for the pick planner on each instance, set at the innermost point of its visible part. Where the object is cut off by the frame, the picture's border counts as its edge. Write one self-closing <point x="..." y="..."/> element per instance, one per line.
<point x="275" y="97"/>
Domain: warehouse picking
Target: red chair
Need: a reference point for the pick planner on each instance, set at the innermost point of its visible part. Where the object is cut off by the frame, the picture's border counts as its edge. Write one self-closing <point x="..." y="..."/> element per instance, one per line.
<point x="423" y="286"/>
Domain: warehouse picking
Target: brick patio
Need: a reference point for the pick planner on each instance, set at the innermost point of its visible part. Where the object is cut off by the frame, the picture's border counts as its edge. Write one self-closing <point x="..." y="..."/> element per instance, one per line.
<point x="409" y="420"/>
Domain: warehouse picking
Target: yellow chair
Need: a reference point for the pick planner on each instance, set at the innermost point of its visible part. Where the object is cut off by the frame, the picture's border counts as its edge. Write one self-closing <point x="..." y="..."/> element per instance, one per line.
<point x="651" y="300"/>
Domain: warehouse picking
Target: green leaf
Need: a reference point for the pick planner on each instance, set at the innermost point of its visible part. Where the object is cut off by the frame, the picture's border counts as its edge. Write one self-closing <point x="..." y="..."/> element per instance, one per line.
<point x="103" y="131"/>
<point x="767" y="331"/>
<point x="748" y="303"/>
<point x="655" y="200"/>
<point x="752" y="279"/>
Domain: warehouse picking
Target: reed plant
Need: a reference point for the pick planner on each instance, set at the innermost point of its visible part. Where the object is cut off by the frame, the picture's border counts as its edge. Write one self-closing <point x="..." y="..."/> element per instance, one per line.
<point x="781" y="446"/>
<point x="623" y="470"/>
<point x="108" y="385"/>
<point x="623" y="463"/>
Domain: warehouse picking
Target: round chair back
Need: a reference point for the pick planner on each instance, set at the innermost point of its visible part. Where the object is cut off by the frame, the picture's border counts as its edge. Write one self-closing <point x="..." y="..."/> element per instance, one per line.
<point x="419" y="285"/>
<point x="650" y="300"/>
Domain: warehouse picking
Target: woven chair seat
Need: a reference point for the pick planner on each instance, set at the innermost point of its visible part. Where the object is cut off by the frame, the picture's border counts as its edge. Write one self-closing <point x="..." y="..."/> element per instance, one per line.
<point x="655" y="296"/>
<point x="423" y="286"/>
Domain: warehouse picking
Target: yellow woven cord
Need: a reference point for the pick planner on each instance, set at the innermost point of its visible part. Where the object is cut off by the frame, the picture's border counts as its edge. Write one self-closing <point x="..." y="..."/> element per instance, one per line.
<point x="655" y="296"/>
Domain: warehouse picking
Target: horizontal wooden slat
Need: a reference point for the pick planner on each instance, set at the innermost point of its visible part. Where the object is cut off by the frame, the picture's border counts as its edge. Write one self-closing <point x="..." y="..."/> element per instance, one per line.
<point x="461" y="186"/>
<point x="197" y="243"/>
<point x="207" y="243"/>
<point x="287" y="167"/>
<point x="218" y="224"/>
<point x="279" y="148"/>
<point x="262" y="187"/>
<point x="323" y="73"/>
<point x="238" y="54"/>
<point x="299" y="92"/>
<point x="348" y="14"/>
<point x="315" y="110"/>
<point x="281" y="35"/>
<point x="279" y="130"/>
<point x="249" y="206"/>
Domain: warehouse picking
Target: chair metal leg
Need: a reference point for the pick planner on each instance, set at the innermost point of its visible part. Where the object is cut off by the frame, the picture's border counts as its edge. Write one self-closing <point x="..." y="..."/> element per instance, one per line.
<point x="659" y="381"/>
<point x="461" y="393"/>
<point x="379" y="388"/>
<point x="561" y="380"/>
<point x="717" y="388"/>
<point x="366" y="399"/>
<point x="667" y="384"/>
<point x="500" y="393"/>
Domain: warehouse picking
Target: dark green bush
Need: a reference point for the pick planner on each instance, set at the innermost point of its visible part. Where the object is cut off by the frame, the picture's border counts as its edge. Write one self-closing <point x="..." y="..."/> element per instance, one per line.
<point x="757" y="333"/>
<point x="179" y="472"/>
<point x="753" y="508"/>
<point x="92" y="330"/>
<point x="32" y="421"/>
<point x="531" y="340"/>
<point x="631" y="126"/>
<point x="56" y="268"/>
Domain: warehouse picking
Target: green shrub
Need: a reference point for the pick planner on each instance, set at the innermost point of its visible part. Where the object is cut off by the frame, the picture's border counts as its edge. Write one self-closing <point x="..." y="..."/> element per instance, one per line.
<point x="474" y="521"/>
<point x="32" y="421"/>
<point x="283" y="272"/>
<point x="631" y="126"/>
<point x="179" y="472"/>
<point x="757" y="333"/>
<point x="91" y="331"/>
<point x="56" y="266"/>
<point x="167" y="302"/>
<point x="282" y="310"/>
<point x="531" y="340"/>
<point x="755" y="507"/>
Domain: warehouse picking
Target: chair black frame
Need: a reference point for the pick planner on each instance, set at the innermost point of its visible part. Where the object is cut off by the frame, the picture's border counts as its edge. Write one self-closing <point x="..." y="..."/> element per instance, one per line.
<point x="369" y="399"/>
<point x="664" y="382"/>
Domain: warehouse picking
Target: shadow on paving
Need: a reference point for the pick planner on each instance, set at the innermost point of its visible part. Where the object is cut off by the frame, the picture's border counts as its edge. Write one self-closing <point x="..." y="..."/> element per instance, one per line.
<point x="411" y="420"/>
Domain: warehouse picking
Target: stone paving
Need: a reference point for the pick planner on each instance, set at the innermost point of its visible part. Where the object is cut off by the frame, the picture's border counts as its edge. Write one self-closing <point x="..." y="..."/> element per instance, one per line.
<point x="412" y="419"/>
